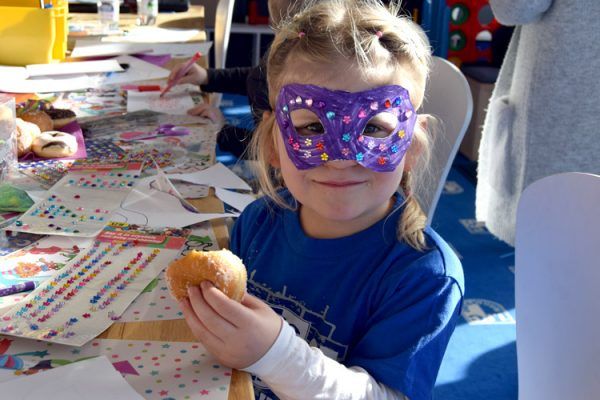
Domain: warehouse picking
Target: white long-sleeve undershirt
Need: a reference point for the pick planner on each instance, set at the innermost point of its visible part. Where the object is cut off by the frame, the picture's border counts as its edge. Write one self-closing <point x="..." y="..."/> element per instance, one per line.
<point x="294" y="370"/>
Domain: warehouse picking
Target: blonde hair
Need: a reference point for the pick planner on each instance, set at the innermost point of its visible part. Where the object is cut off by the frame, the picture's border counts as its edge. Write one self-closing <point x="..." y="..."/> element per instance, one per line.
<point x="372" y="36"/>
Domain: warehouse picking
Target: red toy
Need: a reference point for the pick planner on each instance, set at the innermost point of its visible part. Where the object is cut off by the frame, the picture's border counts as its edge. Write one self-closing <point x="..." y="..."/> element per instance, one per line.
<point x="471" y="27"/>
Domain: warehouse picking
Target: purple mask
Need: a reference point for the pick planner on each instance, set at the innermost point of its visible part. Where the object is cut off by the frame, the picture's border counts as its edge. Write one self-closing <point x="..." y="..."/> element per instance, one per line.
<point x="348" y="131"/>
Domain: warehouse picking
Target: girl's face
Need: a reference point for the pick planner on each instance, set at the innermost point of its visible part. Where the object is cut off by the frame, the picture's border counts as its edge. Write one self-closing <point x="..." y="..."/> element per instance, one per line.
<point x="340" y="197"/>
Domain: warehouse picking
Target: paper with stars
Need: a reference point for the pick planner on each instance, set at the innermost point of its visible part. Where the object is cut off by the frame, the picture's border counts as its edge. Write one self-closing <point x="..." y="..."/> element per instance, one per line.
<point x="156" y="370"/>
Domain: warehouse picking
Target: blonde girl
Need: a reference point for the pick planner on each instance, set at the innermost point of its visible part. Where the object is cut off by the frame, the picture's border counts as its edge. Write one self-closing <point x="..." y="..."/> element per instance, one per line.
<point x="350" y="295"/>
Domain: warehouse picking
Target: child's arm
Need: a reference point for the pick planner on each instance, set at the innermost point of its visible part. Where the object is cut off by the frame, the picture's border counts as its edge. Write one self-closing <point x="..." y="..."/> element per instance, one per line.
<point x="250" y="336"/>
<point x="294" y="370"/>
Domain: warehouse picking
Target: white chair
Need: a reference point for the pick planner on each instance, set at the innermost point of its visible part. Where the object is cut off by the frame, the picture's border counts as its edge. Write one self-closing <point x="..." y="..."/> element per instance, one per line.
<point x="557" y="267"/>
<point x="223" y="17"/>
<point x="447" y="97"/>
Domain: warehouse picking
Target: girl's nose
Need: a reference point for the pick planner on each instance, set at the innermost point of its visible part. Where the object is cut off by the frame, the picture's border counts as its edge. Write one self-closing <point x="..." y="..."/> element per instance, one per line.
<point x="341" y="164"/>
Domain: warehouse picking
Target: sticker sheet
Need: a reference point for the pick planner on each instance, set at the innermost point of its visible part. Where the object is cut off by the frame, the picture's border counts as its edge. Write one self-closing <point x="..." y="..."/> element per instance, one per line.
<point x="155" y="302"/>
<point x="13" y="241"/>
<point x="156" y="370"/>
<point x="94" y="289"/>
<point x="80" y="204"/>
<point x="39" y="261"/>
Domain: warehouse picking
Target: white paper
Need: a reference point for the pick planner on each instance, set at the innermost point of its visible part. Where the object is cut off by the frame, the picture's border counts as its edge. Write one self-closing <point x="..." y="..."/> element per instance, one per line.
<point x="239" y="201"/>
<point x="217" y="176"/>
<point x="18" y="73"/>
<point x="146" y="205"/>
<point x="175" y="102"/>
<point x="150" y="34"/>
<point x="72" y="68"/>
<point x="139" y="70"/>
<point x="96" y="48"/>
<point x="92" y="379"/>
<point x="48" y="85"/>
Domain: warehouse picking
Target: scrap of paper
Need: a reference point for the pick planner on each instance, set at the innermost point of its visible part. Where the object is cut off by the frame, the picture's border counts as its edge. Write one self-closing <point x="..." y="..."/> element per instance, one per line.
<point x="217" y="176"/>
<point x="156" y="370"/>
<point x="155" y="202"/>
<point x="175" y="102"/>
<point x="239" y="201"/>
<point x="92" y="379"/>
<point x="92" y="290"/>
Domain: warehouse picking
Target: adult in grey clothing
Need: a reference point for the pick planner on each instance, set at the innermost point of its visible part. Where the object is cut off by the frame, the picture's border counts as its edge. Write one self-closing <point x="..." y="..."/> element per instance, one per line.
<point x="544" y="114"/>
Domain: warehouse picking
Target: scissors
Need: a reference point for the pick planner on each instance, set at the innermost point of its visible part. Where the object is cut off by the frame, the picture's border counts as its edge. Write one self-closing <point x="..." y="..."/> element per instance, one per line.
<point x="162" y="131"/>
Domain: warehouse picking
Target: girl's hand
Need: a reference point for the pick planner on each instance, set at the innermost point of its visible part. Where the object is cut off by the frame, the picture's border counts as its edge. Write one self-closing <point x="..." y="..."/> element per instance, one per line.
<point x="208" y="111"/>
<point x="236" y="334"/>
<point x="196" y="75"/>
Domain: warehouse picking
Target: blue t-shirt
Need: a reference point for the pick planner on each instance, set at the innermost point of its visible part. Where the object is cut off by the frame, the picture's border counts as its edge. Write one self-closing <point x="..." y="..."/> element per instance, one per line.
<point x="365" y="300"/>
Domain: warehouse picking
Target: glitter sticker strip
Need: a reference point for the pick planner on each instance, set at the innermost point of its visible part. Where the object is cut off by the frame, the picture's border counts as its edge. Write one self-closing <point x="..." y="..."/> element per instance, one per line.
<point x="91" y="291"/>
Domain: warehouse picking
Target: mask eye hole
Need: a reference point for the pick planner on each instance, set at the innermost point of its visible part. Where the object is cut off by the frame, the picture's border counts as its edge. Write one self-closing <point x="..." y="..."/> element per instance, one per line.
<point x="381" y="125"/>
<point x="306" y="123"/>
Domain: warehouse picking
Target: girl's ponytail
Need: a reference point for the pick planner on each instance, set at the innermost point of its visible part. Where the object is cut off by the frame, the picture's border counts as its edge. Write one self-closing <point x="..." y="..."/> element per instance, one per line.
<point x="413" y="220"/>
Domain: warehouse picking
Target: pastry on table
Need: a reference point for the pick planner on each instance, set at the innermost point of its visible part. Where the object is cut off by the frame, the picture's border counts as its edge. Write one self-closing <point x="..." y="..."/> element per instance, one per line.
<point x="54" y="144"/>
<point x="60" y="117"/>
<point x="26" y="133"/>
<point x="40" y="118"/>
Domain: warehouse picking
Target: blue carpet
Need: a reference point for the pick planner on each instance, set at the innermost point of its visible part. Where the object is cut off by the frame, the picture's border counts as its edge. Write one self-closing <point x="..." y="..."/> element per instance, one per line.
<point x="481" y="361"/>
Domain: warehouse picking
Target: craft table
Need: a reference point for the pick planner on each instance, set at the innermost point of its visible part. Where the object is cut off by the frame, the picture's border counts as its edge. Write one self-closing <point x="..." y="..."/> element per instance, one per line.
<point x="175" y="330"/>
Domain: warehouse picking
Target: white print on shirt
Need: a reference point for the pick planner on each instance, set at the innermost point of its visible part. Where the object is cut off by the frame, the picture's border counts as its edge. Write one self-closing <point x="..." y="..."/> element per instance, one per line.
<point x="310" y="325"/>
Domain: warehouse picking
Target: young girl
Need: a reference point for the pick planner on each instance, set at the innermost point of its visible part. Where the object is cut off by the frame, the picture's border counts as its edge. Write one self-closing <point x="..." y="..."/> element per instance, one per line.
<point x="352" y="297"/>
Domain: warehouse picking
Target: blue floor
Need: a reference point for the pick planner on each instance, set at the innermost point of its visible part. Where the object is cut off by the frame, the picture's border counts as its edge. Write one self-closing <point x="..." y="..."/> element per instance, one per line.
<point x="481" y="361"/>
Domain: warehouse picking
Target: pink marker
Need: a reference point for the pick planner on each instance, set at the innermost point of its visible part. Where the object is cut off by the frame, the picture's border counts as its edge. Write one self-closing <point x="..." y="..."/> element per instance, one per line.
<point x="184" y="70"/>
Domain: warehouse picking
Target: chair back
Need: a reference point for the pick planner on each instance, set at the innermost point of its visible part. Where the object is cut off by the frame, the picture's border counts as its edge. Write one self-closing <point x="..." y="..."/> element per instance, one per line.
<point x="447" y="97"/>
<point x="557" y="267"/>
<point x="223" y="18"/>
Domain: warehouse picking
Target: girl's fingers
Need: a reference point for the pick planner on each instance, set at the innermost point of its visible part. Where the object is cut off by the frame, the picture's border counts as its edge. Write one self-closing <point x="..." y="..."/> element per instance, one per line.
<point x="197" y="327"/>
<point x="230" y="310"/>
<point x="208" y="315"/>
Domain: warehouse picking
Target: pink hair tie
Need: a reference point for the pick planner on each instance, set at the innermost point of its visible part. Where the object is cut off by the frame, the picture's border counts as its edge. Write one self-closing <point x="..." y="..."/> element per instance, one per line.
<point x="301" y="34"/>
<point x="379" y="34"/>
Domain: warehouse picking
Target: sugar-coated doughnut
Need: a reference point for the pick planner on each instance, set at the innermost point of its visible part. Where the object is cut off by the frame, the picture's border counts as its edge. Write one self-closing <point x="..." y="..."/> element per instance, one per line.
<point x="54" y="144"/>
<point x="40" y="118"/>
<point x="26" y="133"/>
<point x="60" y="116"/>
<point x="223" y="268"/>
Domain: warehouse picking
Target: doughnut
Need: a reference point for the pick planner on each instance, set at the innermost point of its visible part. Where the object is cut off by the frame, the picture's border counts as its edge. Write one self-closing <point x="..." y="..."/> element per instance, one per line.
<point x="40" y="118"/>
<point x="223" y="268"/>
<point x="54" y="144"/>
<point x="26" y="133"/>
<point x="60" y="117"/>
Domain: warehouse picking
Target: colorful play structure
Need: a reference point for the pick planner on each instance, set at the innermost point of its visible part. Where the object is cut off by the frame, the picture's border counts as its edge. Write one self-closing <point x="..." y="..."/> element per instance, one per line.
<point x="459" y="30"/>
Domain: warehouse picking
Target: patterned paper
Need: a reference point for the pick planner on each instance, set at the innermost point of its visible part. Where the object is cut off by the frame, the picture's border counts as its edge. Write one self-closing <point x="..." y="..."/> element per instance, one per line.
<point x="80" y="204"/>
<point x="155" y="302"/>
<point x="91" y="291"/>
<point x="38" y="261"/>
<point x="156" y="370"/>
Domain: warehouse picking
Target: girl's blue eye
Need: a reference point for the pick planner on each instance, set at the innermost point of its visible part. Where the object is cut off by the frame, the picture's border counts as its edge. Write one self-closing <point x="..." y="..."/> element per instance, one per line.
<point x="375" y="131"/>
<point x="312" y="129"/>
<point x="381" y="125"/>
